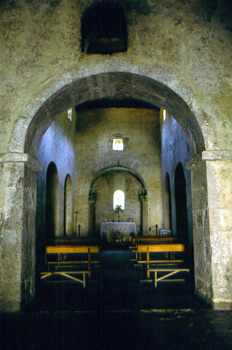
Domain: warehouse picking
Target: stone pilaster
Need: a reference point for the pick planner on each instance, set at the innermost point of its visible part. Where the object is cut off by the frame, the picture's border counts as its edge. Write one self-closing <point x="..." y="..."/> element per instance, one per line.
<point x="212" y="227"/>
<point x="219" y="179"/>
<point x="201" y="232"/>
<point x="92" y="216"/>
<point x="17" y="231"/>
<point x="144" y="211"/>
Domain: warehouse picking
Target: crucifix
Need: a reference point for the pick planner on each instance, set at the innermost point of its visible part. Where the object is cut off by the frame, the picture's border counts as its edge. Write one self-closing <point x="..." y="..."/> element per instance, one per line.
<point x="75" y="231"/>
<point x="79" y="230"/>
<point x="156" y="230"/>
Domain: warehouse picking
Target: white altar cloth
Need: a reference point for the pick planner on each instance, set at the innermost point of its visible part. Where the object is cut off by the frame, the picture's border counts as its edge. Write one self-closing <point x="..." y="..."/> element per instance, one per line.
<point x="125" y="228"/>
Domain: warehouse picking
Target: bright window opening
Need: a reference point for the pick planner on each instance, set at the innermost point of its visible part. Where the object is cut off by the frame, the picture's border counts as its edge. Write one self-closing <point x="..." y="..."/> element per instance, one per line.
<point x="70" y="114"/>
<point x="119" y="199"/>
<point x="164" y="114"/>
<point x="118" y="144"/>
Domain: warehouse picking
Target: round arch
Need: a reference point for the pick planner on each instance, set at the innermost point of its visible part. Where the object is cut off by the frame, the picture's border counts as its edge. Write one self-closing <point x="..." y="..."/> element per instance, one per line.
<point x="117" y="86"/>
<point x="118" y="168"/>
<point x="142" y="196"/>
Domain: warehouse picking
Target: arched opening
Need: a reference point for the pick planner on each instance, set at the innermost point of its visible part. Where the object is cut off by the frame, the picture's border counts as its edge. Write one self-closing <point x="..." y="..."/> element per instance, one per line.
<point x="122" y="86"/>
<point x="119" y="199"/>
<point x="68" y="207"/>
<point x="167" y="204"/>
<point x="52" y="202"/>
<point x="104" y="29"/>
<point x="115" y="185"/>
<point x="181" y="204"/>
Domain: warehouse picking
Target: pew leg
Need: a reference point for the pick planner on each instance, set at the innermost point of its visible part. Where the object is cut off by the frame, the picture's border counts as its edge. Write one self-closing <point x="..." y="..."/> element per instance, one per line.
<point x="155" y="279"/>
<point x="148" y="263"/>
<point x="89" y="262"/>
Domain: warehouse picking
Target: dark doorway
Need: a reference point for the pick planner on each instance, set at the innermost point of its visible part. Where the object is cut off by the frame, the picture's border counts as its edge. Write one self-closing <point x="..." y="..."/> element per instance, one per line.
<point x="181" y="204"/>
<point x="52" y="202"/>
<point x="168" y="203"/>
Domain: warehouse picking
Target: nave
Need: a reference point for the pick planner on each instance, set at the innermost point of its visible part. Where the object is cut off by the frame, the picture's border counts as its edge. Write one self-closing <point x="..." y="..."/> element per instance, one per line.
<point x="116" y="311"/>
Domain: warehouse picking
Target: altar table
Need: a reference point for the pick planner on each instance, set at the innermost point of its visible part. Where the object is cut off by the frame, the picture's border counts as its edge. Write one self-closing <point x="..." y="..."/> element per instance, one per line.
<point x="108" y="229"/>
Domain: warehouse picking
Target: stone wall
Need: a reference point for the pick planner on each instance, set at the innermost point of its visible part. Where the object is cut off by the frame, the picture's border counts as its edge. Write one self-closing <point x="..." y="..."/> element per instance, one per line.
<point x="11" y="235"/>
<point x="140" y="129"/>
<point x="175" y="149"/>
<point x="201" y="232"/>
<point x="169" y="43"/>
<point x="57" y="146"/>
<point x="174" y="60"/>
<point x="106" y="186"/>
<point x="219" y="180"/>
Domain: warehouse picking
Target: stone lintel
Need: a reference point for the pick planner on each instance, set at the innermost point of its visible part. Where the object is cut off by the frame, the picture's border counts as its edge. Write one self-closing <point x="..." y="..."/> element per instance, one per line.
<point x="220" y="304"/>
<point x="209" y="156"/>
<point x="193" y="162"/>
<point x="21" y="157"/>
<point x="217" y="155"/>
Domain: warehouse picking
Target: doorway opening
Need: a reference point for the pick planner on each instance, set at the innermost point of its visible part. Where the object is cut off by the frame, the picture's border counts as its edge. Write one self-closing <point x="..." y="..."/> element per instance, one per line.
<point x="122" y="83"/>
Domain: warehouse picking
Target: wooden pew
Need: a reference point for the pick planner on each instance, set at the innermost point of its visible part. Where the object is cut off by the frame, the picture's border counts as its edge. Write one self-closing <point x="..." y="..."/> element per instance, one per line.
<point x="151" y="239"/>
<point x="67" y="274"/>
<point x="146" y="240"/>
<point x="159" y="248"/>
<point x="167" y="272"/>
<point x="62" y="251"/>
<point x="71" y="240"/>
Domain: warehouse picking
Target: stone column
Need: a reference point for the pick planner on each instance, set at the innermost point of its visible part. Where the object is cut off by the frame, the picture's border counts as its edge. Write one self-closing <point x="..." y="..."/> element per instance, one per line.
<point x="219" y="179"/>
<point x="201" y="232"/>
<point x="212" y="227"/>
<point x="144" y="211"/>
<point x="92" y="219"/>
<point x="17" y="231"/>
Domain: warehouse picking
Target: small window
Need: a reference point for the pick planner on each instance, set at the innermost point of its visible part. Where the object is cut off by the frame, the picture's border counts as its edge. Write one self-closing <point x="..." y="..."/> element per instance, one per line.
<point x="118" y="144"/>
<point x="119" y="199"/>
<point x="70" y="114"/>
<point x="104" y="29"/>
<point x="164" y="115"/>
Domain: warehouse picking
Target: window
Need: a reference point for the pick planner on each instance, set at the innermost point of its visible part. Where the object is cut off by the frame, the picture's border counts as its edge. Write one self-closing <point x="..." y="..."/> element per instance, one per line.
<point x="119" y="199"/>
<point x="118" y="144"/>
<point x="164" y="115"/>
<point x="104" y="29"/>
<point x="70" y="114"/>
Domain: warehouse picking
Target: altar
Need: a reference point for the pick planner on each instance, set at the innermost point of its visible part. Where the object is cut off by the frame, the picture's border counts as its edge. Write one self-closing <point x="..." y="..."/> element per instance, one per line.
<point x="109" y="230"/>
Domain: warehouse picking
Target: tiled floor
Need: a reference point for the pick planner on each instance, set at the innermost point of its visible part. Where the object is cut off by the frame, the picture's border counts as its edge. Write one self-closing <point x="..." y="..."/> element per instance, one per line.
<point x="116" y="311"/>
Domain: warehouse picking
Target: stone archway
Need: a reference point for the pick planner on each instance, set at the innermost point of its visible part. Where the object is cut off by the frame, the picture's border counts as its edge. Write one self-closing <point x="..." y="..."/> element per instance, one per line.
<point x="105" y="85"/>
<point x="142" y="197"/>
<point x="117" y="86"/>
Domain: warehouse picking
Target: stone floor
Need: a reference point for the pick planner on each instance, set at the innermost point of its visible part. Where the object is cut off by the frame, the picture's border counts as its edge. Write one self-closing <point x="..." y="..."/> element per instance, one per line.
<point x="116" y="311"/>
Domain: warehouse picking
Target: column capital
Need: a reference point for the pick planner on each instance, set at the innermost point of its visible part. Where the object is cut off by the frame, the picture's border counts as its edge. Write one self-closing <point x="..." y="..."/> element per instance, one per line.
<point x="14" y="157"/>
<point x="92" y="195"/>
<point x="217" y="155"/>
<point x="210" y="155"/>
<point x="143" y="195"/>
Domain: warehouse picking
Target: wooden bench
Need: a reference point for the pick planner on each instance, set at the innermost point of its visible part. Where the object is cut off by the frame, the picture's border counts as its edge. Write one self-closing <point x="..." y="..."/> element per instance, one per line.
<point x="62" y="252"/>
<point x="72" y="240"/>
<point x="159" y="248"/>
<point x="151" y="239"/>
<point x="68" y="274"/>
<point x="167" y="273"/>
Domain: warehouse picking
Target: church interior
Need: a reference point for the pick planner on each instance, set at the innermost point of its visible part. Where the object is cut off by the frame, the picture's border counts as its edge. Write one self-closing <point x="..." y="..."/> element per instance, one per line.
<point x="116" y="163"/>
